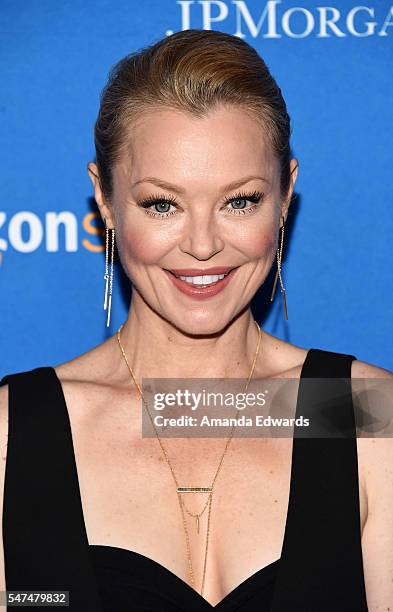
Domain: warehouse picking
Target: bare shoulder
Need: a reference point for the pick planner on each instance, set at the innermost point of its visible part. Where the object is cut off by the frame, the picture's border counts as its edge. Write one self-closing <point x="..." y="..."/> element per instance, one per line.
<point x="362" y="369"/>
<point x="3" y="435"/>
<point x="95" y="367"/>
<point x="375" y="452"/>
<point x="89" y="366"/>
<point x="281" y="358"/>
<point x="3" y="457"/>
<point x="91" y="382"/>
<point x="3" y="426"/>
<point x="375" y="456"/>
<point x="3" y="415"/>
<point x="373" y="449"/>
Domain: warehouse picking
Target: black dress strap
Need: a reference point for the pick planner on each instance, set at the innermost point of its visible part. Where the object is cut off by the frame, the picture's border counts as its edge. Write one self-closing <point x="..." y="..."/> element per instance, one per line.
<point x="321" y="567"/>
<point x="45" y="541"/>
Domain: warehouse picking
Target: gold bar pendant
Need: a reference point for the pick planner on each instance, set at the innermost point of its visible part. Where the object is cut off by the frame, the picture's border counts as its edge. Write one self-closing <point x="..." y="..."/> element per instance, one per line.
<point x="194" y="489"/>
<point x="197" y="523"/>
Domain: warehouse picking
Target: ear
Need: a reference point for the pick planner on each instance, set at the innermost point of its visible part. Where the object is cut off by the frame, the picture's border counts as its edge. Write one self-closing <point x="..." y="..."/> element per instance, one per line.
<point x="294" y="166"/>
<point x="104" y="208"/>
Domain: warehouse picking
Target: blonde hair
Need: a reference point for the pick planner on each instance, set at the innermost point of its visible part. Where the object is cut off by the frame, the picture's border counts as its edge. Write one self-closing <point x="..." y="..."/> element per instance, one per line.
<point x="192" y="71"/>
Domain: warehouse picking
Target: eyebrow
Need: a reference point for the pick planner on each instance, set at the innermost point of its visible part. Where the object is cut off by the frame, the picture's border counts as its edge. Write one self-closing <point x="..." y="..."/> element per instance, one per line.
<point x="180" y="191"/>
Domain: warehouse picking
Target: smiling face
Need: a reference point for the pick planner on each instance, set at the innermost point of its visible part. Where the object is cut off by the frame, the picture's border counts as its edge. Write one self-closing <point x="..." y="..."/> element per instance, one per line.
<point x="193" y="196"/>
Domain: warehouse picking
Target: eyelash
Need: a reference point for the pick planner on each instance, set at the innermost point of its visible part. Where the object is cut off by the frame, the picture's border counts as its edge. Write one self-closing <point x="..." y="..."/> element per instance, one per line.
<point x="254" y="197"/>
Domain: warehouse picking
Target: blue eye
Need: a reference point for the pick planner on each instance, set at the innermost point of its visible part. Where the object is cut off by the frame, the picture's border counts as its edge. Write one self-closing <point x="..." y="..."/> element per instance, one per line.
<point x="243" y="198"/>
<point x="162" y="204"/>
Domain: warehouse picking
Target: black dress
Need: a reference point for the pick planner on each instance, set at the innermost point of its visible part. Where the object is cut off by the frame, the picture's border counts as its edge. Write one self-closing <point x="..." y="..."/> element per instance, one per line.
<point x="45" y="541"/>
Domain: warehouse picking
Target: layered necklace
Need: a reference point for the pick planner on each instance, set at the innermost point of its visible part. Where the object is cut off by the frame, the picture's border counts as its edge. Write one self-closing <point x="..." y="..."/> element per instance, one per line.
<point x="180" y="490"/>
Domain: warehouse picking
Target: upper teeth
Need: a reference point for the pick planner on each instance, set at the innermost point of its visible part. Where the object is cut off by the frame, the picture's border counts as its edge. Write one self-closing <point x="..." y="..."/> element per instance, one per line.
<point x="202" y="280"/>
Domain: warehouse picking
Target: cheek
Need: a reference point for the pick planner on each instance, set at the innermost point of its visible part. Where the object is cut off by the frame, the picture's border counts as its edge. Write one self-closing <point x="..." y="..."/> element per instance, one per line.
<point x="140" y="245"/>
<point x="257" y="242"/>
<point x="263" y="246"/>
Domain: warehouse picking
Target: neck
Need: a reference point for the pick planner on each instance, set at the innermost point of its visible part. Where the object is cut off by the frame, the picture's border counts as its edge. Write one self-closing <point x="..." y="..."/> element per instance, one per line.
<point x="156" y="348"/>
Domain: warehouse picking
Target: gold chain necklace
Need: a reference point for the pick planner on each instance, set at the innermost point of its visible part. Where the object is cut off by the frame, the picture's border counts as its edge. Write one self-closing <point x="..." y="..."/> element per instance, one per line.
<point x="179" y="489"/>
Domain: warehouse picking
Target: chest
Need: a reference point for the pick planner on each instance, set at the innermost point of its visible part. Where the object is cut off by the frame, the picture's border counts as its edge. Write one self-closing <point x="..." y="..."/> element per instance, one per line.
<point x="129" y="498"/>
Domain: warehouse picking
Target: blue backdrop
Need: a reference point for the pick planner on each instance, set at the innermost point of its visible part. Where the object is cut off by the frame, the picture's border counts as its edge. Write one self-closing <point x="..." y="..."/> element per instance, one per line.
<point x="333" y="63"/>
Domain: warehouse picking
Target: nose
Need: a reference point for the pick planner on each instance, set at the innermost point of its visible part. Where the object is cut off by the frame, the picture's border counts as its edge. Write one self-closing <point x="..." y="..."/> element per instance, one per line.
<point x="201" y="238"/>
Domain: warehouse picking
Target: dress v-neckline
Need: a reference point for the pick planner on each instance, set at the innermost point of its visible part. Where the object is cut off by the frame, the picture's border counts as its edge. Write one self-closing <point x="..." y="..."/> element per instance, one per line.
<point x="180" y="581"/>
<point x="184" y="592"/>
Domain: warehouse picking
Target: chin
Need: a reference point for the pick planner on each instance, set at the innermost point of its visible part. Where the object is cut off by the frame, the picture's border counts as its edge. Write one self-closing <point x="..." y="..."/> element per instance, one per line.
<point x="199" y="325"/>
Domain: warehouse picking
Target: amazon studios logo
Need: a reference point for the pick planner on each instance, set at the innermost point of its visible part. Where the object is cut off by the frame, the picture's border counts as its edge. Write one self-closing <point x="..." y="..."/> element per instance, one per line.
<point x="272" y="20"/>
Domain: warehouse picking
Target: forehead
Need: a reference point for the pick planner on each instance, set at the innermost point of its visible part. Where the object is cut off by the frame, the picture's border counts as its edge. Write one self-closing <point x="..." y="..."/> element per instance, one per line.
<point x="178" y="146"/>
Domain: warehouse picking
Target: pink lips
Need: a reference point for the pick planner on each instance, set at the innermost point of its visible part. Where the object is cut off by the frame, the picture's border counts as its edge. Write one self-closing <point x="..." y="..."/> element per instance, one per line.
<point x="197" y="292"/>
<point x="200" y="271"/>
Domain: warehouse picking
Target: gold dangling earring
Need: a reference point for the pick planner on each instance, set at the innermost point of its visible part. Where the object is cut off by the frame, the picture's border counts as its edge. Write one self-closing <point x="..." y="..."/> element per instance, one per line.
<point x="278" y="273"/>
<point x="108" y="277"/>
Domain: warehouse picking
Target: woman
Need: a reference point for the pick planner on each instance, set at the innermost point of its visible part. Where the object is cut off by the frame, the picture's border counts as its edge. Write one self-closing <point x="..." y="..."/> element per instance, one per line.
<point x="193" y="179"/>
